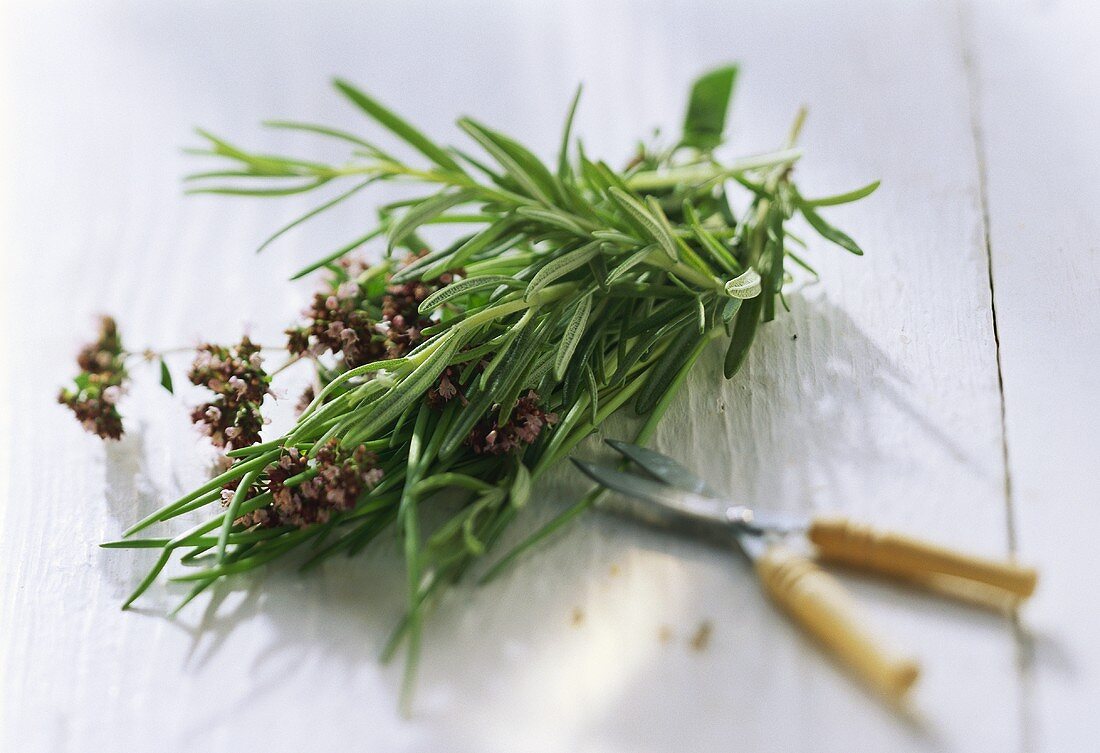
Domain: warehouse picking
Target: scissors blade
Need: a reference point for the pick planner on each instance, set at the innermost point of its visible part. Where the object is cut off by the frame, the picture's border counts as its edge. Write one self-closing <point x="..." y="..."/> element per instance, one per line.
<point x="666" y="507"/>
<point x="662" y="467"/>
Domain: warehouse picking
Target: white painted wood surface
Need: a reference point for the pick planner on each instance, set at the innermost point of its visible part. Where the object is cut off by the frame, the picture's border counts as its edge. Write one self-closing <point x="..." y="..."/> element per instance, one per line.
<point x="888" y="405"/>
<point x="1037" y="70"/>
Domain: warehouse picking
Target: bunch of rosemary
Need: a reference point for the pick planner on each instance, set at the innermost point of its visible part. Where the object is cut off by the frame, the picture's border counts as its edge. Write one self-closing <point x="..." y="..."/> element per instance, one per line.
<point x="571" y="292"/>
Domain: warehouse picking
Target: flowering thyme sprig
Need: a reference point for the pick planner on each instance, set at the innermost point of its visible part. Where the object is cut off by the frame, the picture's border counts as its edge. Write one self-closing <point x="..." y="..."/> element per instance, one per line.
<point x="338" y="321"/>
<point x="582" y="289"/>
<point x="237" y="378"/>
<point x="306" y="492"/>
<point x="100" y="383"/>
<point x="447" y="387"/>
<point x="492" y="436"/>
<point x="346" y="320"/>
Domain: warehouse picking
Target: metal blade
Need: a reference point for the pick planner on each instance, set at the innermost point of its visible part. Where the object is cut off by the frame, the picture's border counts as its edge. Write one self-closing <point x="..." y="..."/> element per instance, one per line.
<point x="669" y="508"/>
<point x="662" y="467"/>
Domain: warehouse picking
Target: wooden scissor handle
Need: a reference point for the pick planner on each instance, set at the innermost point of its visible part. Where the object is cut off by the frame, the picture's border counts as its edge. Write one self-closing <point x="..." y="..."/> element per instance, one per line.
<point x="856" y="545"/>
<point x="820" y="605"/>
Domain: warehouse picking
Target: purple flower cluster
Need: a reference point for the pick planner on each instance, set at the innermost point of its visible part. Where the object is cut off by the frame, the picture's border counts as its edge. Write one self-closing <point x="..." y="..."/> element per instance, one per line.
<point x="236" y="377"/>
<point x="339" y="322"/>
<point x="306" y="492"/>
<point x="350" y="321"/>
<point x="522" y="428"/>
<point x="100" y="383"/>
<point x="446" y="388"/>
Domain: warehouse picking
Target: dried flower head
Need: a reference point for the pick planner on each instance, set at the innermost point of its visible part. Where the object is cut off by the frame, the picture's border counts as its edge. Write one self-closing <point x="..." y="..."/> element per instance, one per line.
<point x="339" y="322"/>
<point x="522" y="428"/>
<point x="304" y="400"/>
<point x="100" y="383"/>
<point x="306" y="492"/>
<point x="342" y="320"/>
<point x="402" y="322"/>
<point x="446" y="388"/>
<point x="401" y="318"/>
<point x="237" y="378"/>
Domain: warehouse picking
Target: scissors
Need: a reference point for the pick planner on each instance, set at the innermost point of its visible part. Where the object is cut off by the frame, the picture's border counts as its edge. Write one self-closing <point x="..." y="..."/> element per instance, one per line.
<point x="671" y="497"/>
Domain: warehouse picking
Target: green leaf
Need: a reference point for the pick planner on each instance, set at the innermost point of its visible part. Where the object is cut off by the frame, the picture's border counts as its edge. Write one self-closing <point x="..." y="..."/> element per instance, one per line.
<point x="471" y="247"/>
<point x="617" y="237"/>
<point x="592" y="175"/>
<point x="563" y="153"/>
<point x="484" y="399"/>
<point x="504" y="353"/>
<point x="425" y="211"/>
<point x="744" y="331"/>
<point x="678" y="245"/>
<point x="423" y="268"/>
<point x="322" y="130"/>
<point x="165" y="376"/>
<point x="213" y="486"/>
<point x="232" y="511"/>
<point x="520" y="371"/>
<point x="400" y="397"/>
<point x="315" y="211"/>
<point x="712" y="245"/>
<point x="802" y="262"/>
<point x="523" y="166"/>
<point x="553" y="217"/>
<point x="399" y="127"/>
<point x="573" y="333"/>
<point x="666" y="369"/>
<point x="730" y="309"/>
<point x="521" y="487"/>
<point x="259" y="165"/>
<point x="745" y="285"/>
<point x="149" y="578"/>
<point x="825" y="230"/>
<point x="598" y="266"/>
<point x="593" y="396"/>
<point x="843" y="198"/>
<point x="542" y="533"/>
<point x="631" y="261"/>
<point x="560" y="267"/>
<point x="772" y="261"/>
<point x="706" y="113"/>
<point x="641" y="214"/>
<point x="464" y="287"/>
<point x="240" y="191"/>
<point x="342" y="251"/>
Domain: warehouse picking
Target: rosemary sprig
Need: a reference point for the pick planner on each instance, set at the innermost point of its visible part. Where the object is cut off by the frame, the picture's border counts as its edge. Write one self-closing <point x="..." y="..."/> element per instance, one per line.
<point x="567" y="293"/>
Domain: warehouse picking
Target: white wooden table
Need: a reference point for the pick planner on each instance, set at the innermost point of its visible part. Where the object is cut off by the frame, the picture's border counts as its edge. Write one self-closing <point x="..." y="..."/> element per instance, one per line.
<point x="944" y="384"/>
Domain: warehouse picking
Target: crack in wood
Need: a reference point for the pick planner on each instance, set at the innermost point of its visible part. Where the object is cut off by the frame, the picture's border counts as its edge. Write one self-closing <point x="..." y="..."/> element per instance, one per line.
<point x="1020" y="635"/>
<point x="974" y="97"/>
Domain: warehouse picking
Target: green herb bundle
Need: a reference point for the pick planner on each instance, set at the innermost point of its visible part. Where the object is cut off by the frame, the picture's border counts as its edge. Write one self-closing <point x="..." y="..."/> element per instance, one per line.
<point x="570" y="292"/>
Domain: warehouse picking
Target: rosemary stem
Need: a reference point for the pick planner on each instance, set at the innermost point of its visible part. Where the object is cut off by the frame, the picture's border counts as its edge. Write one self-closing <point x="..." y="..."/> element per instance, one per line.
<point x="546" y="295"/>
<point x="695" y="174"/>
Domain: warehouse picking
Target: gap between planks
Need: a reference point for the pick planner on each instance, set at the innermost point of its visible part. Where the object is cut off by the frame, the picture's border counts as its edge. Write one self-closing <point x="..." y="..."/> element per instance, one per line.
<point x="974" y="93"/>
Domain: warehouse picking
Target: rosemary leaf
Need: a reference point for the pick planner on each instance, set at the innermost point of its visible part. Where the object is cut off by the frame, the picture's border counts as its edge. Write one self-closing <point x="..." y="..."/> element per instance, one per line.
<point x="398" y="126"/>
<point x="573" y="333"/>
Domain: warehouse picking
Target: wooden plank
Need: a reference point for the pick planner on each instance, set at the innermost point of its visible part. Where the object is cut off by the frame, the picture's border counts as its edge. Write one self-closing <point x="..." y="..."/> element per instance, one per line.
<point x="885" y="406"/>
<point x="1037" y="67"/>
